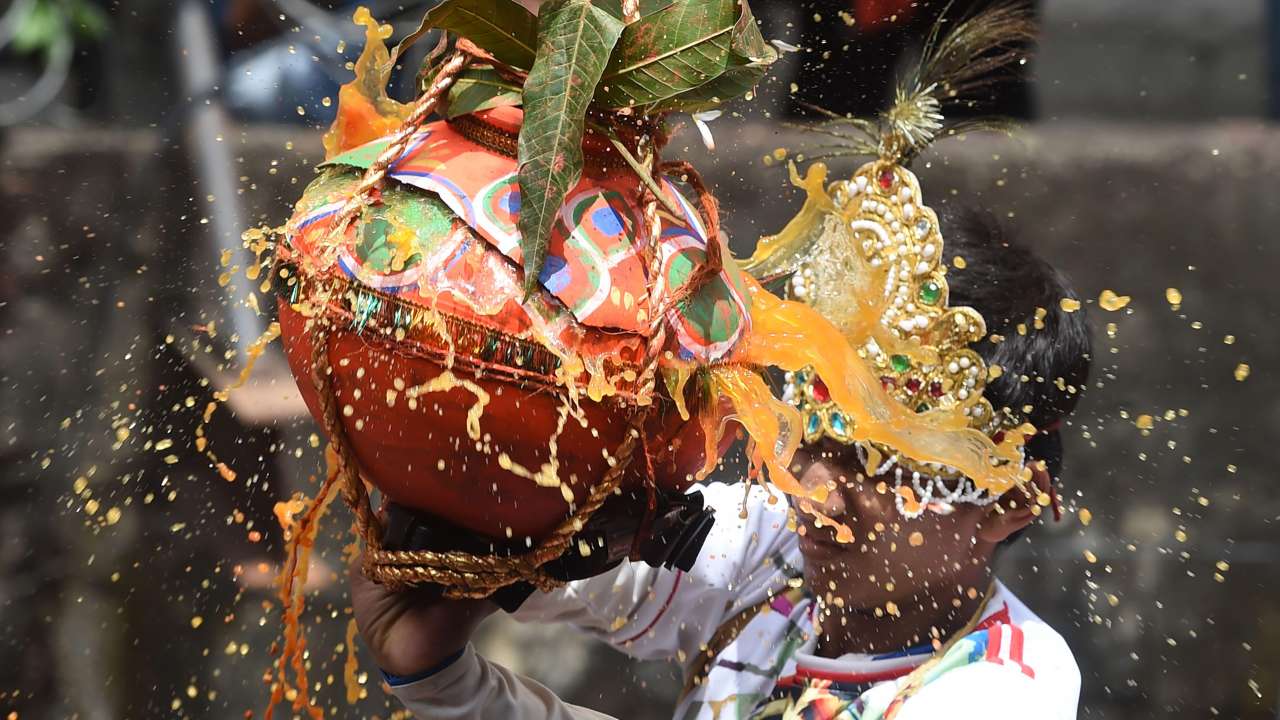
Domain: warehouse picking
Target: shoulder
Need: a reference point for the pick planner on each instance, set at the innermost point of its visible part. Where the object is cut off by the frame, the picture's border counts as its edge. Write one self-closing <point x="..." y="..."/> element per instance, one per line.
<point x="1025" y="638"/>
<point x="1014" y="666"/>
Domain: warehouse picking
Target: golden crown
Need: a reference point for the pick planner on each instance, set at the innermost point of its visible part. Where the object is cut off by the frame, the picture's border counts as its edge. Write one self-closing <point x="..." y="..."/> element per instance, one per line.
<point x="866" y="253"/>
<point x="877" y="228"/>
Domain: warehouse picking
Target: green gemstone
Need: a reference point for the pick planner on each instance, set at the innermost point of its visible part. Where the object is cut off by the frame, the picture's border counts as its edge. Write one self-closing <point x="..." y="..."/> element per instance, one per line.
<point x="922" y="407"/>
<point x="900" y="363"/>
<point x="930" y="293"/>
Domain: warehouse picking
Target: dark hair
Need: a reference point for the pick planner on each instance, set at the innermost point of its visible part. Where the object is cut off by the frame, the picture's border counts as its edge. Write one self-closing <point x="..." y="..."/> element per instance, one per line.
<point x="1046" y="366"/>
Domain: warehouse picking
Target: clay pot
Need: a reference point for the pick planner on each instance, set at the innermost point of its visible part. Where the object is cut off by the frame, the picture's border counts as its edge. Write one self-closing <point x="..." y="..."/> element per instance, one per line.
<point x="418" y="450"/>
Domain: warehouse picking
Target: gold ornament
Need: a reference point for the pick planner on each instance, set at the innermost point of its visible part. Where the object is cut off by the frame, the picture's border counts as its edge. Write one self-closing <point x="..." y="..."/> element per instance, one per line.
<point x="866" y="253"/>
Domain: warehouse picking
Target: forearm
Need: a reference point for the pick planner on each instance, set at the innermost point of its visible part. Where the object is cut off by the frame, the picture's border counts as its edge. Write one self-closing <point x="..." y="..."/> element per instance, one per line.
<point x="476" y="689"/>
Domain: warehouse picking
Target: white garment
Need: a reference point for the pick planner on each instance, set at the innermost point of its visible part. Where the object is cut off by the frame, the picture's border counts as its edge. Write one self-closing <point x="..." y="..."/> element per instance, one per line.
<point x="653" y="613"/>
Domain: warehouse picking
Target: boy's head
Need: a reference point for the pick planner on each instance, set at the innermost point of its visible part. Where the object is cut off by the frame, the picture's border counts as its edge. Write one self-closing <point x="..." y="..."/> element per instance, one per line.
<point x="1044" y="352"/>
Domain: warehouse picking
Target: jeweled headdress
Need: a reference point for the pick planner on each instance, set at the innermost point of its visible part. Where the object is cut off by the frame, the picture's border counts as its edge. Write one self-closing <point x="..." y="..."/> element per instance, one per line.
<point x="866" y="253"/>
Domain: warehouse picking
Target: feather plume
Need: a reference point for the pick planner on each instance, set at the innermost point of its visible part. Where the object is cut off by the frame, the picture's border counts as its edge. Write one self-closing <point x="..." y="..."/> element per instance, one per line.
<point x="959" y="59"/>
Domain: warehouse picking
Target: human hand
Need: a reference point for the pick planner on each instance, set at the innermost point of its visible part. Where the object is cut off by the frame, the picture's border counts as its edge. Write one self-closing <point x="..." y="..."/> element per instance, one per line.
<point x="412" y="630"/>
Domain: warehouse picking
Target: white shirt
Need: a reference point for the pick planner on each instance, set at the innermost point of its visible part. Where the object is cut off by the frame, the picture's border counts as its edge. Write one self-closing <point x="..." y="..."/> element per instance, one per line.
<point x="653" y="613"/>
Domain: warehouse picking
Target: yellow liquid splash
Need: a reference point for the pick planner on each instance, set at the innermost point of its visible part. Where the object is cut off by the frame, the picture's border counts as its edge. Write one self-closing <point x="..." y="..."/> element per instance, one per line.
<point x="365" y="112"/>
<point x="791" y="336"/>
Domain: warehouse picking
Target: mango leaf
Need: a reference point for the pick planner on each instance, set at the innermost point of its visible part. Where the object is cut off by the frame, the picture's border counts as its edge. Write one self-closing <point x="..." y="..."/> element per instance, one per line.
<point x="480" y="88"/>
<point x="676" y="49"/>
<point x="749" y="58"/>
<point x="575" y="39"/>
<point x="502" y="27"/>
<point x="747" y="41"/>
<point x="729" y="85"/>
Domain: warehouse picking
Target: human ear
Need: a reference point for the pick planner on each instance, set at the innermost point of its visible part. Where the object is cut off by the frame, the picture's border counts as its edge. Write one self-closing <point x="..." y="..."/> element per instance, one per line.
<point x="1015" y="510"/>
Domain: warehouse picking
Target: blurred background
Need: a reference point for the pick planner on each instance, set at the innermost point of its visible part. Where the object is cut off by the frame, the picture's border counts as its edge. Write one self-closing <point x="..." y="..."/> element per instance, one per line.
<point x="138" y="138"/>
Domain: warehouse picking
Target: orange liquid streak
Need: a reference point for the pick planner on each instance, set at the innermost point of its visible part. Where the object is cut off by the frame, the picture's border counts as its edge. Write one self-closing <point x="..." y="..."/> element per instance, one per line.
<point x="791" y="335"/>
<point x="350" y="667"/>
<point x="773" y="425"/>
<point x="293" y="577"/>
<point x="365" y="112"/>
<point x="251" y="358"/>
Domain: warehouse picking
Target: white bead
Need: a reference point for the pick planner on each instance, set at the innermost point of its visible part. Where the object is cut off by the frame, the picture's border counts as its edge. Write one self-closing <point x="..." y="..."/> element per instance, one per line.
<point x="908" y="211"/>
<point x="965" y="362"/>
<point x="952" y="367"/>
<point x="928" y="250"/>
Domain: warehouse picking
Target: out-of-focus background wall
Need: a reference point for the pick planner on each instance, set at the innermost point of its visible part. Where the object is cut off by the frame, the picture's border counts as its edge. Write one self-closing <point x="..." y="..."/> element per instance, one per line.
<point x="138" y="137"/>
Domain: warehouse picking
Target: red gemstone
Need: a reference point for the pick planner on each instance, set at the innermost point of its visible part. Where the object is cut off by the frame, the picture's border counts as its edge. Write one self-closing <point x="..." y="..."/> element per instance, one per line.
<point x="935" y="389"/>
<point x="913" y="385"/>
<point x="820" y="392"/>
<point x="887" y="382"/>
<point x="886" y="179"/>
<point x="998" y="437"/>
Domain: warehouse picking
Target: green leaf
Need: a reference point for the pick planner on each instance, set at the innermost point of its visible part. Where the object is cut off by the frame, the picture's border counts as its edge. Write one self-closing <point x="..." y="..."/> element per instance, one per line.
<point x="749" y="58"/>
<point x="676" y="49"/>
<point x="747" y="42"/>
<point x="480" y="88"/>
<point x="501" y="27"/>
<point x="575" y="39"/>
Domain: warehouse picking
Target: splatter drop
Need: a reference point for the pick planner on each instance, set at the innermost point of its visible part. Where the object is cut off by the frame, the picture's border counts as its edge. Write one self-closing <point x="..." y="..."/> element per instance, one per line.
<point x="1111" y="302"/>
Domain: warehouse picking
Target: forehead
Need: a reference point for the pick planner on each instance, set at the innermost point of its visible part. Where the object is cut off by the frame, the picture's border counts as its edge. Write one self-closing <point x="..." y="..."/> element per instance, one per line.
<point x="831" y="454"/>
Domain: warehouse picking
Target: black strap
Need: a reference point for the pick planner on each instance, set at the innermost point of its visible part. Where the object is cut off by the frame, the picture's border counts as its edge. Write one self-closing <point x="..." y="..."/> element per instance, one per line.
<point x="678" y="529"/>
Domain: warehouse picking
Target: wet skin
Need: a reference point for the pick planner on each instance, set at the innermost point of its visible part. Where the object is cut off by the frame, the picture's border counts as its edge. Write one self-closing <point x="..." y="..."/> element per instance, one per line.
<point x="900" y="582"/>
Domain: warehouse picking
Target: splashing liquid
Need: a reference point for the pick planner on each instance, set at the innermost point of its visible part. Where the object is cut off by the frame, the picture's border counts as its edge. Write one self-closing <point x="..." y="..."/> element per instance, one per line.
<point x="351" y="665"/>
<point x="300" y="542"/>
<point x="446" y="381"/>
<point x="791" y="335"/>
<point x="251" y="358"/>
<point x="365" y="112"/>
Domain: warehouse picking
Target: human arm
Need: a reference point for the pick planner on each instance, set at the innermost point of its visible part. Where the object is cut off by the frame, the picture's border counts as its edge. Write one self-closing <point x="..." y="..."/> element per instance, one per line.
<point x="421" y="641"/>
